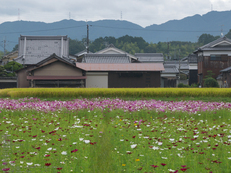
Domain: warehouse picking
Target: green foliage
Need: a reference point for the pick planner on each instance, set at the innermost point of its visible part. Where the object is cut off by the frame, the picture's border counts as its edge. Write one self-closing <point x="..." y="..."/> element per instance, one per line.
<point x="210" y="74"/>
<point x="228" y="35"/>
<point x="75" y="46"/>
<point x="181" y="85"/>
<point x="211" y="83"/>
<point x="15" y="48"/>
<point x="183" y="76"/>
<point x="2" y="71"/>
<point x="13" y="66"/>
<point x="206" y="38"/>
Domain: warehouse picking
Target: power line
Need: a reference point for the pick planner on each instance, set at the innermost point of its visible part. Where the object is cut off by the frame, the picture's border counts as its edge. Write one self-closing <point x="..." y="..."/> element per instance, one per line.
<point x="43" y="30"/>
<point x="153" y="29"/>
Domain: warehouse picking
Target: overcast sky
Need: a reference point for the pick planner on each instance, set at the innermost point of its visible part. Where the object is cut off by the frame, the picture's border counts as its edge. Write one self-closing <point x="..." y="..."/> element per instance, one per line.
<point x="141" y="12"/>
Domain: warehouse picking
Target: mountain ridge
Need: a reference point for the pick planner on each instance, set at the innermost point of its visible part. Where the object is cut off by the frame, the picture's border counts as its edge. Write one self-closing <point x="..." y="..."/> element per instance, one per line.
<point x="186" y="29"/>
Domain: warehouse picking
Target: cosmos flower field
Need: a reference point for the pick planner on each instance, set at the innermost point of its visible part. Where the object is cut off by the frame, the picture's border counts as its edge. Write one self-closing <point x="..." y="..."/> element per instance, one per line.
<point x="114" y="135"/>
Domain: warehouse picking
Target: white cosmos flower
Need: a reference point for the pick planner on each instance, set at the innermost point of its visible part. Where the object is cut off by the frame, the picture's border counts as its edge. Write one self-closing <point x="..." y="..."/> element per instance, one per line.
<point x="87" y="141"/>
<point x="64" y="153"/>
<point x="29" y="163"/>
<point x="133" y="146"/>
<point x="155" y="148"/>
<point x="80" y="139"/>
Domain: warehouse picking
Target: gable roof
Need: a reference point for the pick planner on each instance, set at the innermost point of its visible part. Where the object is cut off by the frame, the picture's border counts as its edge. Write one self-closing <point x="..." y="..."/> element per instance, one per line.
<point x="106" y="58"/>
<point x="150" y="57"/>
<point x="222" y="43"/>
<point x="121" y="67"/>
<point x="112" y="48"/>
<point x="55" y="58"/>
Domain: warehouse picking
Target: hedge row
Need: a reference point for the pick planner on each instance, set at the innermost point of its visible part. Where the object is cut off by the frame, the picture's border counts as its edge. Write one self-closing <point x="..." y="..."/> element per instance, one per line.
<point x="112" y="92"/>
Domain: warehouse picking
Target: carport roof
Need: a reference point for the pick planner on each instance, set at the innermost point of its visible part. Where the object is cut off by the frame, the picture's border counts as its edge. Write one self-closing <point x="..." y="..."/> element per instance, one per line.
<point x="121" y="67"/>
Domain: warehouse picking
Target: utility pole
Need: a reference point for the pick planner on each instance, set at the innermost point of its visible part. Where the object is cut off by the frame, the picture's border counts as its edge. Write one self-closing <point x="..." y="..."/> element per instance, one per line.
<point x="179" y="64"/>
<point x="4" y="46"/>
<point x="87" y="38"/>
<point x="168" y="50"/>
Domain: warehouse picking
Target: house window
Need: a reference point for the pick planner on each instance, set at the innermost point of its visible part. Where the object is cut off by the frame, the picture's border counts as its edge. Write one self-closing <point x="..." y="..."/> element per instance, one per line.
<point x="218" y="57"/>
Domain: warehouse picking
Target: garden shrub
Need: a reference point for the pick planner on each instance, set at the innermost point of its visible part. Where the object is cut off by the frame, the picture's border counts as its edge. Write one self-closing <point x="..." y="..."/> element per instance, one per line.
<point x="211" y="83"/>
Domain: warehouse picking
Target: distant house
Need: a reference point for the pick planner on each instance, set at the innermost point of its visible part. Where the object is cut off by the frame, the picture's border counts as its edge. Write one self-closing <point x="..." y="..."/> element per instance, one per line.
<point x="126" y="75"/>
<point x="169" y="76"/>
<point x="193" y="69"/>
<point x="111" y="49"/>
<point x="214" y="56"/>
<point x="33" y="49"/>
<point x="9" y="57"/>
<point x="53" y="71"/>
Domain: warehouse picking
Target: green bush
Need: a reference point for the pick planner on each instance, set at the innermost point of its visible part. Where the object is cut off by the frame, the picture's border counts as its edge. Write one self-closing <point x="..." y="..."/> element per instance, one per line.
<point x="211" y="83"/>
<point x="181" y="85"/>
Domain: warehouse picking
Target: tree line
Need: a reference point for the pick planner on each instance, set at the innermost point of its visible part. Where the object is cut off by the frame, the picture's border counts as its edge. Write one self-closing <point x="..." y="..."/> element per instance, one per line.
<point x="171" y="50"/>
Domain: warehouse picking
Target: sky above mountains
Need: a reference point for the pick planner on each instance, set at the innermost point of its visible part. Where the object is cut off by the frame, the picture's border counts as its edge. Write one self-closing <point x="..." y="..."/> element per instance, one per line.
<point x="141" y="12"/>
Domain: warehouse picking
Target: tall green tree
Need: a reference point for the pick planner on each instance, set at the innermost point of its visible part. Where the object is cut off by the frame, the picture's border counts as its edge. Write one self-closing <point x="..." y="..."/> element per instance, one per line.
<point x="206" y="38"/>
<point x="75" y="46"/>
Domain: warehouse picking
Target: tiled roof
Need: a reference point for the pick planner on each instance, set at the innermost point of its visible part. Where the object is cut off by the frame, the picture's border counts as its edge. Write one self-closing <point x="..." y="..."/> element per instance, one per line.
<point x="192" y="58"/>
<point x="38" y="48"/>
<point x="170" y="69"/>
<point x="226" y="69"/>
<point x="121" y="67"/>
<point x="150" y="57"/>
<point x="63" y="59"/>
<point x="106" y="58"/>
<point x="211" y="45"/>
<point x="112" y="48"/>
<point x="183" y="65"/>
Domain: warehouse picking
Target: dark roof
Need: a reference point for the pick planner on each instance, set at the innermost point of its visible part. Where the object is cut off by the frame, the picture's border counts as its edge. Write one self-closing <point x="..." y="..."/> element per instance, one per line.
<point x="150" y="57"/>
<point x="192" y="58"/>
<point x="226" y="69"/>
<point x="106" y="58"/>
<point x="170" y="69"/>
<point x="183" y="65"/>
<point x="63" y="59"/>
<point x="121" y="67"/>
<point x="214" y="45"/>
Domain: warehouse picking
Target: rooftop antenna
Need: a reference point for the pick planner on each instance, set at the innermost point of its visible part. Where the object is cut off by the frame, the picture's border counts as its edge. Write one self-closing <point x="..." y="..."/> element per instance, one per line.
<point x="222" y="35"/>
<point x="19" y="14"/>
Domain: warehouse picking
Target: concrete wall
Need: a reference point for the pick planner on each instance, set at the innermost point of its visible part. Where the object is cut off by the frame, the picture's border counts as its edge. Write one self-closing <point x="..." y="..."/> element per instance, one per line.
<point x="58" y="69"/>
<point x="97" y="80"/>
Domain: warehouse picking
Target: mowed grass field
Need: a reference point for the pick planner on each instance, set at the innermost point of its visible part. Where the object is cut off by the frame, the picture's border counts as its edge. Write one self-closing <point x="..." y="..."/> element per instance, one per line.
<point x="114" y="135"/>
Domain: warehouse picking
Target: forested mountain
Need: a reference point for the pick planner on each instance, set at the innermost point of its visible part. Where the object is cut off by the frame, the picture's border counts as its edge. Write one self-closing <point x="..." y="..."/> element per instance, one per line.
<point x="185" y="30"/>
